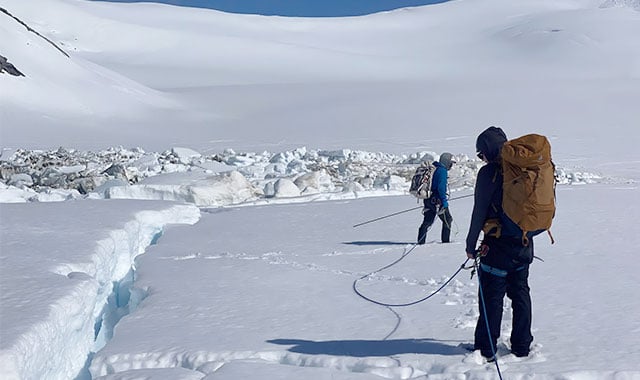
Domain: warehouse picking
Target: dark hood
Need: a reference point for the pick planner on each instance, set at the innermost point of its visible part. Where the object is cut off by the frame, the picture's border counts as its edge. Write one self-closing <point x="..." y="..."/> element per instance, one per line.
<point x="490" y="142"/>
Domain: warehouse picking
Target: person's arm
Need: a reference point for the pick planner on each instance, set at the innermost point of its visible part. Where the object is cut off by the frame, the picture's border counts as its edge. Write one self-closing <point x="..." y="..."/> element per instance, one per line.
<point x="441" y="177"/>
<point x="484" y="190"/>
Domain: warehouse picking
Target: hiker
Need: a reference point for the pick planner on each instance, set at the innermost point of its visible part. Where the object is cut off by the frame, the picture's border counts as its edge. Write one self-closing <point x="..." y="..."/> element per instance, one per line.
<point x="504" y="267"/>
<point x="437" y="203"/>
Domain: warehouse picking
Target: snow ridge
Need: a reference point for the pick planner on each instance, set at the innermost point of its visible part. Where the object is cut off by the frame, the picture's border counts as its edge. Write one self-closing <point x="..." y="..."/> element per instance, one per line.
<point x="226" y="178"/>
<point x="635" y="4"/>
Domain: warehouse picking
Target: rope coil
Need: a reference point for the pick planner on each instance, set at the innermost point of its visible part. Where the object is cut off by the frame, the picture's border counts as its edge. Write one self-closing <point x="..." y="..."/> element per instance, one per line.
<point x="405" y="254"/>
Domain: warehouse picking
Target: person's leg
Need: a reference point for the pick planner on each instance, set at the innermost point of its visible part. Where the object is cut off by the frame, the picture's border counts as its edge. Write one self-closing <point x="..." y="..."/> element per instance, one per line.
<point x="446" y="219"/>
<point x="493" y="291"/>
<point x="518" y="292"/>
<point x="427" y="221"/>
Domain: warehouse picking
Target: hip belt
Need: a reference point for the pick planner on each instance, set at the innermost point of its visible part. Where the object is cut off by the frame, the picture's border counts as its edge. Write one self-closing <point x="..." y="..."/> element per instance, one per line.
<point x="498" y="272"/>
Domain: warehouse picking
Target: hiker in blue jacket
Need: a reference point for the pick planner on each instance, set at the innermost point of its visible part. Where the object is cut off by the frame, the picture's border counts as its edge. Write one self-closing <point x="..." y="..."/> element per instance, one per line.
<point x="438" y="204"/>
<point x="504" y="267"/>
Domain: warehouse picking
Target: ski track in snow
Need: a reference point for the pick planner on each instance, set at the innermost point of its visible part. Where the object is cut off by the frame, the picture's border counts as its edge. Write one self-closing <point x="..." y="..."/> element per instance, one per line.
<point x="208" y="363"/>
<point x="456" y="293"/>
<point x="277" y="258"/>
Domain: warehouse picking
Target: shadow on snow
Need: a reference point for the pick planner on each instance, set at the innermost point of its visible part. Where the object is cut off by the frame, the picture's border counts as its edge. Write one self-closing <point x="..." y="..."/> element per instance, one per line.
<point x="362" y="348"/>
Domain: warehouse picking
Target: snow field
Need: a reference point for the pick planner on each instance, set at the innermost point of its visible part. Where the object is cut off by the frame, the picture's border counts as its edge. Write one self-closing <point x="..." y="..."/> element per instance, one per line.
<point x="262" y="300"/>
<point x="264" y="295"/>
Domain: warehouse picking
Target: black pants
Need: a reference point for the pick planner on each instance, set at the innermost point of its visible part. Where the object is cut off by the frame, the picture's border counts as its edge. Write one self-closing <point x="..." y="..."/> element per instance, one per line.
<point x="494" y="287"/>
<point x="429" y="217"/>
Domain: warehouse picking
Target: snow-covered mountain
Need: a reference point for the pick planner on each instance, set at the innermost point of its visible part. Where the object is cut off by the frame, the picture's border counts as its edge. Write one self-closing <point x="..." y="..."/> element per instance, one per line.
<point x="253" y="82"/>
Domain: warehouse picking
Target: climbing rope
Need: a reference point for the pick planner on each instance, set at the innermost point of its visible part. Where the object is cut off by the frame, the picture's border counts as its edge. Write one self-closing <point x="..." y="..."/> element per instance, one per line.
<point x="405" y="254"/>
<point x="486" y="319"/>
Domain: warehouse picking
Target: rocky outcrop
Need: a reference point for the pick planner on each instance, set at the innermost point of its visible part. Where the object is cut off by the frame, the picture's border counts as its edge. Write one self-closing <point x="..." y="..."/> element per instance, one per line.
<point x="8" y="67"/>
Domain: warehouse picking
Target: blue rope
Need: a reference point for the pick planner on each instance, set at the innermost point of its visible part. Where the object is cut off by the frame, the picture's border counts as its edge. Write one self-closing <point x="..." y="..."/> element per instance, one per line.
<point x="389" y="306"/>
<point x="486" y="320"/>
<point x="355" y="288"/>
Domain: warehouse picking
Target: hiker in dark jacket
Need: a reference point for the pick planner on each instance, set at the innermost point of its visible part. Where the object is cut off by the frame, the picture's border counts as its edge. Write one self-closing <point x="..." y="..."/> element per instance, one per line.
<point x="438" y="204"/>
<point x="505" y="267"/>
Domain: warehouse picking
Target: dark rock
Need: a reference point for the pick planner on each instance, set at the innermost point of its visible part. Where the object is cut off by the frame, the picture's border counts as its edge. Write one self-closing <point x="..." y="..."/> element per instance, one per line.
<point x="9" y="68"/>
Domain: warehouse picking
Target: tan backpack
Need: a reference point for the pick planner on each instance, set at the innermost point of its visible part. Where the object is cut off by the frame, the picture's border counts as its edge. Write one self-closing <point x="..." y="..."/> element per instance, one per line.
<point x="529" y="187"/>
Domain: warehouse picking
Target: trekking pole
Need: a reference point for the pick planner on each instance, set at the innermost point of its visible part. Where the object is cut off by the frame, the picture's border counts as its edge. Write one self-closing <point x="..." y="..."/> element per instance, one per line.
<point x="403" y="211"/>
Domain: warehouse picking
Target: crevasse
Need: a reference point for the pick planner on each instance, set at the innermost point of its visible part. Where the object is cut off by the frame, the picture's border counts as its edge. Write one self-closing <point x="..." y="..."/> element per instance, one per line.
<point x="80" y="323"/>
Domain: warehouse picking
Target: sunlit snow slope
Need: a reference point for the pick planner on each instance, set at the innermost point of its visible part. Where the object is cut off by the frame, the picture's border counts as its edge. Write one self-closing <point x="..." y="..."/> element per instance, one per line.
<point x="255" y="82"/>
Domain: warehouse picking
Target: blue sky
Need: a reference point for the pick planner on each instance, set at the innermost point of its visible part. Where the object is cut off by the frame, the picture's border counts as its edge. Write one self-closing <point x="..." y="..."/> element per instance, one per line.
<point x="305" y="8"/>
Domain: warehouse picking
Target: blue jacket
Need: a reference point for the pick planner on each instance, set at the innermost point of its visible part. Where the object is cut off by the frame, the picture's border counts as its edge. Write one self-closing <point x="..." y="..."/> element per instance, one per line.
<point x="439" y="184"/>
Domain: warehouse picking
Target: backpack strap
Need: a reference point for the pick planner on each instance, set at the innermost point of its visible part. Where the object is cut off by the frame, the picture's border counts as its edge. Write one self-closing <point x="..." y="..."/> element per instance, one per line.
<point x="496" y="172"/>
<point x="525" y="238"/>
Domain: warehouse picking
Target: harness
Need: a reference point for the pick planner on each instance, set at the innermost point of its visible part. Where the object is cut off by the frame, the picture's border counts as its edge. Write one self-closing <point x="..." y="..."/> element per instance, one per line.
<point x="498" y="272"/>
